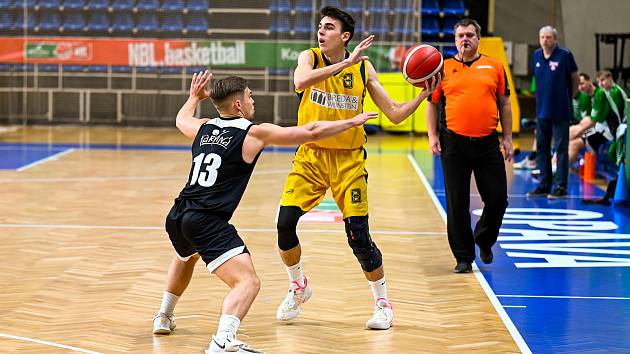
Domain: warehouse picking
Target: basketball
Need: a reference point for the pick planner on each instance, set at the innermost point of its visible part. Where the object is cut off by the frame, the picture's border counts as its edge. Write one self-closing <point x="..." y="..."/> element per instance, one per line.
<point x="420" y="63"/>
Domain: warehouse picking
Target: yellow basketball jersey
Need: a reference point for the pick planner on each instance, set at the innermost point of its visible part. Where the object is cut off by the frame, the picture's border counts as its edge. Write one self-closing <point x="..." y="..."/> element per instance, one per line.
<point x="336" y="98"/>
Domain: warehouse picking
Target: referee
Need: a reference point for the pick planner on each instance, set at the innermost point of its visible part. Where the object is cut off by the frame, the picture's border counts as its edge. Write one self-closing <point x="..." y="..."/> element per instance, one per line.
<point x="474" y="96"/>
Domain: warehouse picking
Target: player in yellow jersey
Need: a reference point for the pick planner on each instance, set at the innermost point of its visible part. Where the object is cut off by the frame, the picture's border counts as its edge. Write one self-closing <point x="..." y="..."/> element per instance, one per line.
<point x="331" y="84"/>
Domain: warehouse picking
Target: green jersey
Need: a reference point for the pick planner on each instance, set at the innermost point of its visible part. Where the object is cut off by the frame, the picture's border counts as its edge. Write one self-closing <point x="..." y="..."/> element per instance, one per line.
<point x="582" y="105"/>
<point x="603" y="112"/>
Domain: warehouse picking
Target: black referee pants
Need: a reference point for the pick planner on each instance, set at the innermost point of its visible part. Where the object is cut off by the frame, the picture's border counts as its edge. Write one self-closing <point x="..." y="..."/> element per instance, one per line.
<point x="462" y="156"/>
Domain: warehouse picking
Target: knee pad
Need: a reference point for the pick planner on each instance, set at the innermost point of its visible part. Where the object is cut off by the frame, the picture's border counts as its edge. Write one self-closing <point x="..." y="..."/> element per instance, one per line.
<point x="368" y="255"/>
<point x="287" y="223"/>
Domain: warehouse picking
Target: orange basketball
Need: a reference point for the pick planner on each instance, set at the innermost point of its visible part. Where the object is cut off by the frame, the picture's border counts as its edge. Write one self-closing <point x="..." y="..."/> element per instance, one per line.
<point x="420" y="63"/>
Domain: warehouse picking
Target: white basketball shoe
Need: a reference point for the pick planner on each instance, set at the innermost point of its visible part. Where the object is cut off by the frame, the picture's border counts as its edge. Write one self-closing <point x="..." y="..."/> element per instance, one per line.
<point x="163" y="324"/>
<point x="297" y="295"/>
<point x="230" y="346"/>
<point x="383" y="317"/>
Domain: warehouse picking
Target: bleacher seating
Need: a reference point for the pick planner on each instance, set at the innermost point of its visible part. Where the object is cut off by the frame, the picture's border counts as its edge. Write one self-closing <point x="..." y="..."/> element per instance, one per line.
<point x="48" y="68"/>
<point x="72" y="68"/>
<point x="147" y="23"/>
<point x="303" y="23"/>
<point x="49" y="21"/>
<point x="449" y="52"/>
<point x="403" y="7"/>
<point x="378" y="6"/>
<point x="280" y="24"/>
<point x="122" y="23"/>
<point x="7" y="4"/>
<point x="448" y="29"/>
<point x="197" y="5"/>
<point x="172" y="23"/>
<point x="26" y="4"/>
<point x="20" y="24"/>
<point x="49" y="4"/>
<point x="354" y="7"/>
<point x="173" y="5"/>
<point x="98" y="22"/>
<point x="147" y="5"/>
<point x="279" y="6"/>
<point x="378" y="24"/>
<point x="303" y="6"/>
<point x="454" y="7"/>
<point x="122" y="5"/>
<point x="6" y="21"/>
<point x="430" y="7"/>
<point x="73" y="5"/>
<point x="97" y="5"/>
<point x="197" y="23"/>
<point x="430" y="27"/>
<point x="73" y="21"/>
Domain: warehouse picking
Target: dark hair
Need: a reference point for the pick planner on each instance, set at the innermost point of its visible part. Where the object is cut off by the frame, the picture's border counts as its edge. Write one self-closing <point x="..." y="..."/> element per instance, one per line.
<point x="347" y="22"/>
<point x="585" y="76"/>
<point x="465" y="22"/>
<point x="604" y="74"/>
<point x="223" y="89"/>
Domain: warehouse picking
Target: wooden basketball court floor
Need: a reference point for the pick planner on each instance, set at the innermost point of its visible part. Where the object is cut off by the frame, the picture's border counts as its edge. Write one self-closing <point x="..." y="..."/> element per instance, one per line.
<point x="83" y="256"/>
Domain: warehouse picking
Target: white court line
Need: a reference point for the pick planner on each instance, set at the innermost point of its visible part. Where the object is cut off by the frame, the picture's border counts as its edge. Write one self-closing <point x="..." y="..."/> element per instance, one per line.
<point x="51" y="157"/>
<point x="52" y="344"/>
<point x="141" y="228"/>
<point x="514" y="306"/>
<point x="520" y="342"/>
<point x="568" y="297"/>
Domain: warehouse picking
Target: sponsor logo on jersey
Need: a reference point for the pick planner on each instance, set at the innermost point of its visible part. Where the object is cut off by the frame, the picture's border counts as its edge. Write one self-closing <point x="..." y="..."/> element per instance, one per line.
<point x="553" y="65"/>
<point x="355" y="195"/>
<point x="484" y="67"/>
<point x="216" y="138"/>
<point x="334" y="100"/>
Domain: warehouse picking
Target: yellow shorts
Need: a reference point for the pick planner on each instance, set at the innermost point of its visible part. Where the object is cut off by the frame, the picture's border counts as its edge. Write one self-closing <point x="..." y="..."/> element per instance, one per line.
<point x="317" y="169"/>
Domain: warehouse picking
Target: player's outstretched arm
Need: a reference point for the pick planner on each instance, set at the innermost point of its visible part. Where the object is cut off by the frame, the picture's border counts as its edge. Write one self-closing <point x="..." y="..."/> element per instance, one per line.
<point x="186" y="122"/>
<point x="270" y="134"/>
<point x="305" y="76"/>
<point x="396" y="112"/>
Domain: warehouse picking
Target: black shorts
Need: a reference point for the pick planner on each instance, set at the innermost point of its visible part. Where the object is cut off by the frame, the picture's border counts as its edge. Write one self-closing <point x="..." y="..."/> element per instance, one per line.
<point x="212" y="237"/>
<point x="594" y="141"/>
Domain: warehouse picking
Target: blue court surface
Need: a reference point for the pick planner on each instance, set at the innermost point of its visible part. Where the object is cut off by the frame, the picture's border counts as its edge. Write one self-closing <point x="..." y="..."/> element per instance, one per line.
<point x="561" y="272"/>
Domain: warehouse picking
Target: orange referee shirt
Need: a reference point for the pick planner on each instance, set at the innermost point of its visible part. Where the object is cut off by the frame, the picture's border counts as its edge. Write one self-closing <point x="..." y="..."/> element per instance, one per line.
<point x="470" y="93"/>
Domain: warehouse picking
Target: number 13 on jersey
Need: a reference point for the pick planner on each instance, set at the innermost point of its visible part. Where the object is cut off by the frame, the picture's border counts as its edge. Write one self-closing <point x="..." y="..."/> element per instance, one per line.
<point x="211" y="163"/>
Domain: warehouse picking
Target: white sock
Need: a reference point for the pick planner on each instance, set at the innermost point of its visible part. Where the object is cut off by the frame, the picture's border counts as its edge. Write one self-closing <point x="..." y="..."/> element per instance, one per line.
<point x="228" y="325"/>
<point x="379" y="289"/>
<point x="295" y="273"/>
<point x="168" y="303"/>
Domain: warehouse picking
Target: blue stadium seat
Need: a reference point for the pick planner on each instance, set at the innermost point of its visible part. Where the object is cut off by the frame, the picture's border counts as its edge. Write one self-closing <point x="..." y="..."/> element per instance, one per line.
<point x="303" y="6"/>
<point x="280" y="5"/>
<point x="378" y="25"/>
<point x="6" y="67"/>
<point x="404" y="27"/>
<point x="173" y="5"/>
<point x="96" y="68"/>
<point x="6" y="21"/>
<point x="47" y="68"/>
<point x="49" y="4"/>
<point x="73" y="21"/>
<point x="378" y="6"/>
<point x="354" y="6"/>
<point x="197" y="5"/>
<point x="121" y="69"/>
<point x="28" y="4"/>
<point x="335" y="3"/>
<point x="172" y="23"/>
<point x="147" y="23"/>
<point x="7" y="4"/>
<point x="97" y="5"/>
<point x="449" y="52"/>
<point x="194" y="69"/>
<point x="146" y="69"/>
<point x="73" y="4"/>
<point x="303" y="23"/>
<point x="280" y="24"/>
<point x="430" y="27"/>
<point x="123" y="5"/>
<point x="170" y="70"/>
<point x="98" y="22"/>
<point x="49" y="21"/>
<point x="23" y="67"/>
<point x="403" y="7"/>
<point x="454" y="7"/>
<point x="144" y="5"/>
<point x="20" y="25"/>
<point x="122" y="22"/>
<point x="72" y="68"/>
<point x="430" y="7"/>
<point x="449" y="23"/>
<point x="197" y="23"/>
<point x="278" y="71"/>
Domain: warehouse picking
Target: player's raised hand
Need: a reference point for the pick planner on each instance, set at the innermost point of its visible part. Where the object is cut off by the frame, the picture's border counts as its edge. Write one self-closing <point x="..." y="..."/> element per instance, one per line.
<point x="199" y="85"/>
<point x="356" y="56"/>
<point x="360" y="119"/>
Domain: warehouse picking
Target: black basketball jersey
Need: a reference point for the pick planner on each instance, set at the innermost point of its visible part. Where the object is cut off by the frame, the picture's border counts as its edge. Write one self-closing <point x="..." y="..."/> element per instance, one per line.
<point x="218" y="176"/>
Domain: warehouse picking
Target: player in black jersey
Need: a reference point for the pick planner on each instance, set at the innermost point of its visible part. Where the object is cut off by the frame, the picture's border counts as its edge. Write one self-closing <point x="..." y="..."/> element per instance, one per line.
<point x="224" y="153"/>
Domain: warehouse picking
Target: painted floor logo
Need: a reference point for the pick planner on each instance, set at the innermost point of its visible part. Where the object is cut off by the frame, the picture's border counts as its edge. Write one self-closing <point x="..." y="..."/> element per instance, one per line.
<point x="326" y="212"/>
